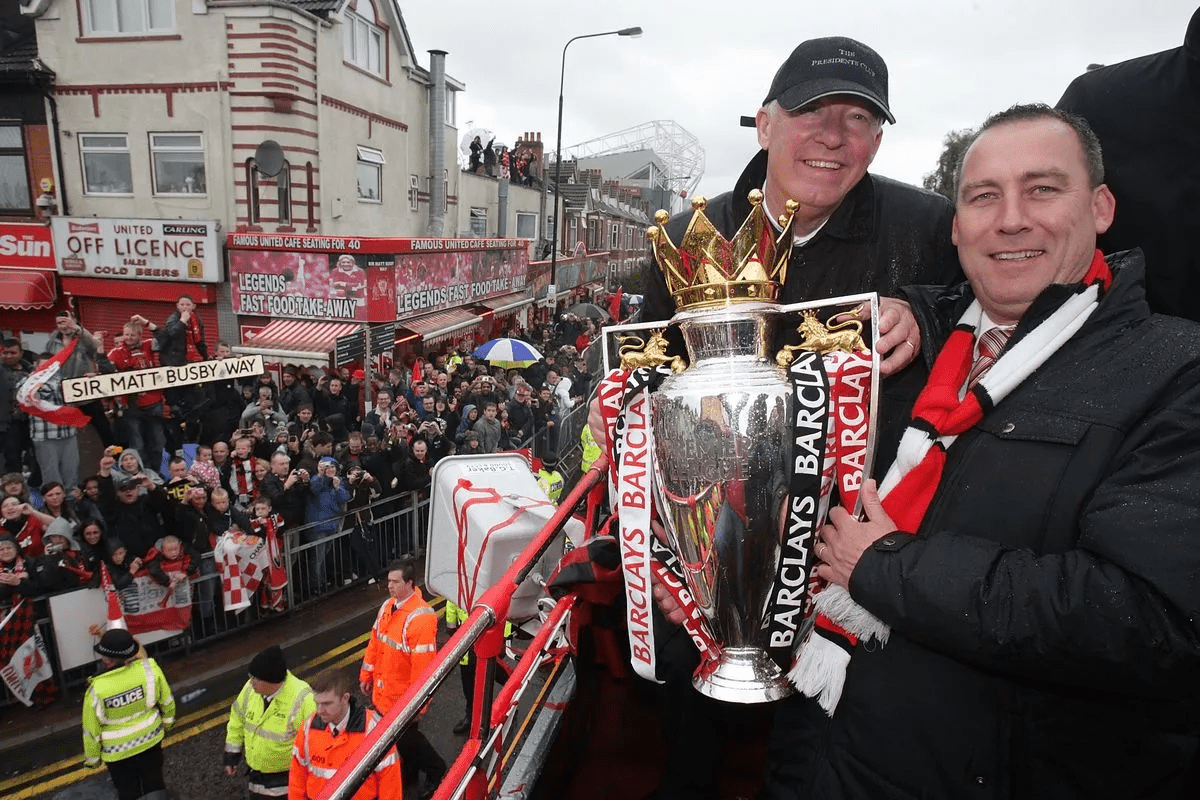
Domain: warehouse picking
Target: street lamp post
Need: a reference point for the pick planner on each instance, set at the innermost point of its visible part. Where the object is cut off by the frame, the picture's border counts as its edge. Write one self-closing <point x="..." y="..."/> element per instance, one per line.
<point x="555" y="235"/>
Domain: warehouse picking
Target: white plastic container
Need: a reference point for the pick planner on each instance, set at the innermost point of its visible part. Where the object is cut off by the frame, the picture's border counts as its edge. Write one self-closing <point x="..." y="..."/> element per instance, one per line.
<point x="484" y="511"/>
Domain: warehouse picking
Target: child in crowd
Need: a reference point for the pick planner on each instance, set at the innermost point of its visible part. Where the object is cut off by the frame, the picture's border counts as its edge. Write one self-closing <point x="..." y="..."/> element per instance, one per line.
<point x="172" y="563"/>
<point x="268" y="525"/>
<point x="242" y="487"/>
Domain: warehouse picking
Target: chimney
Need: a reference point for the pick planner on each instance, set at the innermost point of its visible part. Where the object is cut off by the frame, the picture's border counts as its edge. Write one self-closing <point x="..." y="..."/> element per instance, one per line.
<point x="437" y="143"/>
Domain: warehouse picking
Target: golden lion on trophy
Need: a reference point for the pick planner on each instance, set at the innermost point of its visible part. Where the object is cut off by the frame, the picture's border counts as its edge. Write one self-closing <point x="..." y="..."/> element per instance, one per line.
<point x="821" y="338"/>
<point x="636" y="352"/>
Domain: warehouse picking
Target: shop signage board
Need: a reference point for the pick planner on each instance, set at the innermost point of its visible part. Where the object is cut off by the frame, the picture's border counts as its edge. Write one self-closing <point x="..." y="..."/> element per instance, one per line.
<point x="138" y="249"/>
<point x="26" y="244"/>
<point x="374" y="279"/>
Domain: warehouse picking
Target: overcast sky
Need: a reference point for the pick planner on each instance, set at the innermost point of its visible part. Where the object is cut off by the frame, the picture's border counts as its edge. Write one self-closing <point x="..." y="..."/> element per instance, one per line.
<point x="951" y="62"/>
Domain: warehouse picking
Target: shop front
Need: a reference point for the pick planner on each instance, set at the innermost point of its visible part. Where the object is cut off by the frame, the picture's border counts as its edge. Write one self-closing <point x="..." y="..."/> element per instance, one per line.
<point x="296" y="295"/>
<point x="29" y="293"/>
<point x="115" y="268"/>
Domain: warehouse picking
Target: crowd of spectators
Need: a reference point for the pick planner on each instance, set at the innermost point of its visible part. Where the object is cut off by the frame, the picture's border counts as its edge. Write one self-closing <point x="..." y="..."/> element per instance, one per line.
<point x="269" y="458"/>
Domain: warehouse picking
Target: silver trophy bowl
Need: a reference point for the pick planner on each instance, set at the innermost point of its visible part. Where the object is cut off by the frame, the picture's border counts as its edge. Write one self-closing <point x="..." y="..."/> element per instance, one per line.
<point x="723" y="447"/>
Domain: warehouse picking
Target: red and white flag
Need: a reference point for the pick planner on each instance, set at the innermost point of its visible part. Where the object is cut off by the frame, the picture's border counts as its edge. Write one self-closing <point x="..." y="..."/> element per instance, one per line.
<point x="27" y="394"/>
<point x="29" y="664"/>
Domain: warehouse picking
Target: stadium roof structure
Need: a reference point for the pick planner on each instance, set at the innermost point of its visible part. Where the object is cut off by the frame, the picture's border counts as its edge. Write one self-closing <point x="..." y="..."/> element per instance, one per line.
<point x="679" y="165"/>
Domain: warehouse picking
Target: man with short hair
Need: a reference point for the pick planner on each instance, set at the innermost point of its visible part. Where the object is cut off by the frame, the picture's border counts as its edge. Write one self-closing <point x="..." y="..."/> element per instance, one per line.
<point x="264" y="721"/>
<point x="285" y="488"/>
<point x="402" y="646"/>
<point x="520" y="416"/>
<point x="293" y="393"/>
<point x="141" y="412"/>
<point x="820" y="126"/>
<point x="1032" y="563"/>
<point x="328" y="738"/>
<point x="181" y="342"/>
<point x="127" y="709"/>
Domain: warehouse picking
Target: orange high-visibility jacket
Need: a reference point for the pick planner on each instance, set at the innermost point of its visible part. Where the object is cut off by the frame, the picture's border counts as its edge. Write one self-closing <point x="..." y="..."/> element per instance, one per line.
<point x="403" y="644"/>
<point x="317" y="754"/>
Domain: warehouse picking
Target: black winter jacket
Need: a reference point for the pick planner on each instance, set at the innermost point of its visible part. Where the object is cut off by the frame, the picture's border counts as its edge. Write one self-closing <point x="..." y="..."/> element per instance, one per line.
<point x="884" y="235"/>
<point x="1045" y="620"/>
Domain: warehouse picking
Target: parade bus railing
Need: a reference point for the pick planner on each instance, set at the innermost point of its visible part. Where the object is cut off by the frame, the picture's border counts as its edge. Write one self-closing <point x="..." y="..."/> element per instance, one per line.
<point x="491" y="753"/>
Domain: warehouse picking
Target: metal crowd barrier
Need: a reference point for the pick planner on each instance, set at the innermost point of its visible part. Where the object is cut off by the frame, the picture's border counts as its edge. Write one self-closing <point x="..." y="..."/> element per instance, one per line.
<point x="398" y="526"/>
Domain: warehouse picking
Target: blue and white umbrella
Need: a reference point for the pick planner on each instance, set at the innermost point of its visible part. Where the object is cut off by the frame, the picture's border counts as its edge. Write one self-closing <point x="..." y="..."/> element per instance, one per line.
<point x="508" y="353"/>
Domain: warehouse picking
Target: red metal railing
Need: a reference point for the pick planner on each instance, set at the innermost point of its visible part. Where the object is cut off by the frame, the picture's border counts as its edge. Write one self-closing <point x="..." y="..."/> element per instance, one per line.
<point x="468" y="776"/>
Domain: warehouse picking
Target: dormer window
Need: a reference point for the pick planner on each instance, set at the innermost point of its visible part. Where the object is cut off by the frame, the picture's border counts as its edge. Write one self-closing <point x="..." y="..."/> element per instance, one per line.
<point x="363" y="43"/>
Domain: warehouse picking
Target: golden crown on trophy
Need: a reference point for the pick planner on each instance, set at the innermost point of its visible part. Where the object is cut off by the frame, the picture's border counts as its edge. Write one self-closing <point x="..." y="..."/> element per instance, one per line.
<point x="707" y="270"/>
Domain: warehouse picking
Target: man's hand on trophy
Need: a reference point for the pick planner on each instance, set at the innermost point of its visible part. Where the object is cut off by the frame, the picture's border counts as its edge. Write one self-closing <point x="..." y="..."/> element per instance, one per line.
<point x="845" y="539"/>
<point x="666" y="603"/>
<point x="899" y="339"/>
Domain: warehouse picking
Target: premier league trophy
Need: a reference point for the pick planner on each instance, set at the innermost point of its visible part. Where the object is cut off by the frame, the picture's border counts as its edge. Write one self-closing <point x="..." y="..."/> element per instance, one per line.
<point x="744" y="447"/>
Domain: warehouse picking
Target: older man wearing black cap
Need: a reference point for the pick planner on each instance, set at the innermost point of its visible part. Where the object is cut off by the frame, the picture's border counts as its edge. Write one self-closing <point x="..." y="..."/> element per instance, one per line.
<point x="263" y="722"/>
<point x="126" y="712"/>
<point x="820" y="127"/>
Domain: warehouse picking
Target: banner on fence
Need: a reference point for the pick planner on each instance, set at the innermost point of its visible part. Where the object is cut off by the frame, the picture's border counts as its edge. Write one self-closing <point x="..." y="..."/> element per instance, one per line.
<point x="242" y="559"/>
<point x="29" y="664"/>
<point x="149" y="606"/>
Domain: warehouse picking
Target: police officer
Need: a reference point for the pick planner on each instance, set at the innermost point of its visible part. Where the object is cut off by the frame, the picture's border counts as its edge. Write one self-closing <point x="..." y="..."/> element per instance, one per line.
<point x="263" y="722"/>
<point x="126" y="711"/>
<point x="550" y="479"/>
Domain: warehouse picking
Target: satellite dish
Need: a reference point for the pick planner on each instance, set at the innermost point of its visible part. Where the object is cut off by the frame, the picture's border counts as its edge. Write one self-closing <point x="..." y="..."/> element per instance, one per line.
<point x="268" y="158"/>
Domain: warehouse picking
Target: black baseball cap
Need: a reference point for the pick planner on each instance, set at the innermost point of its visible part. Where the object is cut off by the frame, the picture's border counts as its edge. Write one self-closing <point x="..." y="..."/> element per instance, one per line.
<point x="832" y="65"/>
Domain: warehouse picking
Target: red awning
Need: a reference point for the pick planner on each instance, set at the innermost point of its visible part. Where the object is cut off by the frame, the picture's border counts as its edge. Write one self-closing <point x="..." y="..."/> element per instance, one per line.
<point x="26" y="289"/>
<point x="508" y="302"/>
<point x="433" y="327"/>
<point x="299" y="342"/>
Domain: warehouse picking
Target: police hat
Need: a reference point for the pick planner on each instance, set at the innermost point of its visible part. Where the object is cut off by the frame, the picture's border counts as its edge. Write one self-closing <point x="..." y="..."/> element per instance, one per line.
<point x="117" y="643"/>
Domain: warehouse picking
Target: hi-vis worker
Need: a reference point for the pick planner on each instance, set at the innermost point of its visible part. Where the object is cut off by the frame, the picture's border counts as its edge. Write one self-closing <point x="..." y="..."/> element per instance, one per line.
<point x="402" y="647"/>
<point x="456" y="616"/>
<point x="327" y="739"/>
<point x="550" y="479"/>
<point x="264" y="721"/>
<point x="126" y="711"/>
<point x="591" y="450"/>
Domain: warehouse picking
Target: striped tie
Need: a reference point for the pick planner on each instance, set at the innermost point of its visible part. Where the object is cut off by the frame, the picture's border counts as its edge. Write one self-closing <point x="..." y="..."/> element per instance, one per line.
<point x="991" y="343"/>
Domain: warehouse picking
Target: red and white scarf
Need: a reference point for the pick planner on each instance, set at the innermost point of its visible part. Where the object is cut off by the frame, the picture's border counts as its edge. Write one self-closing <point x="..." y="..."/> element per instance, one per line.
<point x="270" y="529"/>
<point x="241" y="476"/>
<point x="939" y="417"/>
